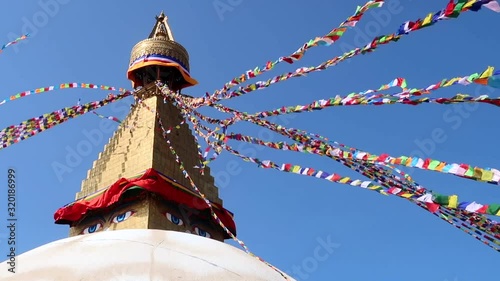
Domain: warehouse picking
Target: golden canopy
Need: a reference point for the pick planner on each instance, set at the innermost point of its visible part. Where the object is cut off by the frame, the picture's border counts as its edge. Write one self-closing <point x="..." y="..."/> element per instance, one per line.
<point x="158" y="56"/>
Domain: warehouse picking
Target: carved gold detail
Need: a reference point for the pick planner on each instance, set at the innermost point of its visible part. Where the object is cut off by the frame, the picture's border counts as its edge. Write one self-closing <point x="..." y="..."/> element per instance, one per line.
<point x="154" y="46"/>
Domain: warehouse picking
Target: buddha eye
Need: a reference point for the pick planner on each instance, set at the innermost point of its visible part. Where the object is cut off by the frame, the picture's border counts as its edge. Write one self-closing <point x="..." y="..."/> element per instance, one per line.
<point x="92" y="228"/>
<point x="202" y="232"/>
<point x="122" y="217"/>
<point x="175" y="220"/>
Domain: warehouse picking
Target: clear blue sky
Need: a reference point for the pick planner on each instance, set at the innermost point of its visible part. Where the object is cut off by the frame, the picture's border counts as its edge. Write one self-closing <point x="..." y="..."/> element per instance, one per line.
<point x="280" y="216"/>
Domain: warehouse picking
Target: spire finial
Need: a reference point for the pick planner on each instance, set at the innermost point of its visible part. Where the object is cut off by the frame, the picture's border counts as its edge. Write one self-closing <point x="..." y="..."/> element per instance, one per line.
<point x="162" y="30"/>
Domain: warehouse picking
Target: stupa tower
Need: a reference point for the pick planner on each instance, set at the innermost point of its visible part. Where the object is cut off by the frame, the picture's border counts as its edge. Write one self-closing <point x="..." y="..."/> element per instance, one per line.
<point x="139" y="147"/>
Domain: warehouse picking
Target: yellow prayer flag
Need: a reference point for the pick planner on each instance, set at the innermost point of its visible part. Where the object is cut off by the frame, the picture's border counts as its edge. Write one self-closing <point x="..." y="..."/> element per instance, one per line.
<point x="487" y="73"/>
<point x="427" y="20"/>
<point x="469" y="4"/>
<point x="450" y="82"/>
<point x="344" y="180"/>
<point x="478" y="173"/>
<point x="487" y="175"/>
<point x="453" y="202"/>
<point x="406" y="195"/>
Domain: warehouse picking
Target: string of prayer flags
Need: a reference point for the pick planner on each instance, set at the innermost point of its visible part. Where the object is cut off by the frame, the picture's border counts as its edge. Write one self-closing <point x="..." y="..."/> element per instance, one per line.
<point x="452" y="202"/>
<point x="433" y="200"/>
<point x="491" y="234"/>
<point x="112" y="118"/>
<point x="460" y="222"/>
<point x="326" y="40"/>
<point x="24" y="37"/>
<point x="462" y="170"/>
<point x="61" y="87"/>
<point x="26" y="129"/>
<point x="363" y="98"/>
<point x="483" y="228"/>
<point x="436" y="199"/>
<point x="383" y="100"/>
<point x="405" y="29"/>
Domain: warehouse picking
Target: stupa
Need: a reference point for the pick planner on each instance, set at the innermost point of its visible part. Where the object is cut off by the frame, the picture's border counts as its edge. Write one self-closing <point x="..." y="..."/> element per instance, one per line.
<point x="137" y="217"/>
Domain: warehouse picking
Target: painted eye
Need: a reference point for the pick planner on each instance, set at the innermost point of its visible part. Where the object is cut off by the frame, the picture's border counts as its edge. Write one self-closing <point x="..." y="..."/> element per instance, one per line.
<point x="122" y="217"/>
<point x="174" y="219"/>
<point x="92" y="228"/>
<point x="202" y="232"/>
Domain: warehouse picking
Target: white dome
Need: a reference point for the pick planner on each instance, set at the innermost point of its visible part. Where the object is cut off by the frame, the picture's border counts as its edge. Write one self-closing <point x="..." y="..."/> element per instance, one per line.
<point x="138" y="254"/>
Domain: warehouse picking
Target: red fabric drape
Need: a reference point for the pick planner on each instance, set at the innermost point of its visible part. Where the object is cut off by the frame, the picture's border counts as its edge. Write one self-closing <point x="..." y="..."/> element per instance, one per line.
<point x="150" y="181"/>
